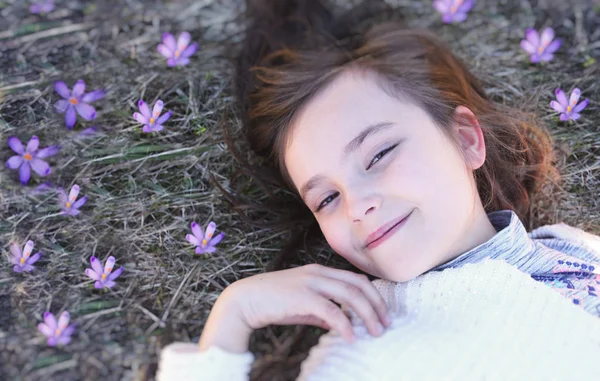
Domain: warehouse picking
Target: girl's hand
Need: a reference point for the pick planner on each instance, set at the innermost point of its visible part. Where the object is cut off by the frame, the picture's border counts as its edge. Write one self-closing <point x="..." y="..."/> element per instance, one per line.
<point x="304" y="295"/>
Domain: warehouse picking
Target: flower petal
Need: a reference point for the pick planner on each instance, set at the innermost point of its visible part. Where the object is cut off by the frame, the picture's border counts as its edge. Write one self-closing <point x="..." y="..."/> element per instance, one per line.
<point x="45" y="330"/>
<point x="61" y="105"/>
<point x="52" y="341"/>
<point x="557" y="106"/>
<point x="581" y="106"/>
<point x="183" y="41"/>
<point x="197" y="230"/>
<point x="561" y="97"/>
<point x="164" y="51"/>
<point x="98" y="284"/>
<point x="50" y="321"/>
<point x="27" y="267"/>
<point x="17" y="268"/>
<point x="92" y="274"/>
<point x="109" y="284"/>
<point x="40" y="167"/>
<point x="78" y="89"/>
<point x="546" y="57"/>
<point x="564" y="117"/>
<point x="459" y="17"/>
<point x="189" y="50"/>
<point x="157" y="109"/>
<point x="15" y="251"/>
<point x="199" y="250"/>
<point x="575" y="115"/>
<point x="574" y="98"/>
<point x="63" y="320"/>
<point x="79" y="203"/>
<point x="73" y="193"/>
<point x="47" y="152"/>
<point x="115" y="274"/>
<point x="62" y="197"/>
<point x="171" y="62"/>
<point x="553" y="47"/>
<point x="547" y="36"/>
<point x="34" y="258"/>
<point x="70" y="117"/>
<point x="140" y="118"/>
<point x="164" y="117"/>
<point x="96" y="265"/>
<point x="210" y="230"/>
<point x="169" y="40"/>
<point x="33" y="144"/>
<point x="527" y="46"/>
<point x="93" y="96"/>
<point x="192" y="239"/>
<point x="14" y="162"/>
<point x="466" y="6"/>
<point x="63" y="340"/>
<point x="86" y="111"/>
<point x="110" y="263"/>
<point x="217" y="239"/>
<point x="15" y="144"/>
<point x="144" y="109"/>
<point x="210" y="249"/>
<point x="69" y="330"/>
<point x="61" y="88"/>
<point x="533" y="36"/>
<point x="27" y="249"/>
<point x="441" y="6"/>
<point x="24" y="173"/>
<point x="147" y="128"/>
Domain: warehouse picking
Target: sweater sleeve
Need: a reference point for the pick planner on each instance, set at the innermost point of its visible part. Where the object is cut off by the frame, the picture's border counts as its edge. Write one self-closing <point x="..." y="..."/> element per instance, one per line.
<point x="183" y="362"/>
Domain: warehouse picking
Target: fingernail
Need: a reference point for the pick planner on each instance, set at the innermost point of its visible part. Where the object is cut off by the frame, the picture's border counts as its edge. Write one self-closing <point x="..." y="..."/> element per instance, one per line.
<point x="378" y="329"/>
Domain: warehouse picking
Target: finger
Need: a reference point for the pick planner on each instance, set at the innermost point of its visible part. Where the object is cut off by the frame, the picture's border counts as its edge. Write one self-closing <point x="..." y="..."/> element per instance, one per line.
<point x="333" y="317"/>
<point x="362" y="282"/>
<point x="347" y="293"/>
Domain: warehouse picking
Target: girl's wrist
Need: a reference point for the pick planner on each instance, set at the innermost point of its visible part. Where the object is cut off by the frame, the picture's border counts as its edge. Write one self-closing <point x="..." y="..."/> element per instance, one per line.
<point x="224" y="328"/>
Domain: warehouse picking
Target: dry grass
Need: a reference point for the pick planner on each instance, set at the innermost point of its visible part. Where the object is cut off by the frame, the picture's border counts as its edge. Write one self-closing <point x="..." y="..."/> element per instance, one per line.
<point x="144" y="190"/>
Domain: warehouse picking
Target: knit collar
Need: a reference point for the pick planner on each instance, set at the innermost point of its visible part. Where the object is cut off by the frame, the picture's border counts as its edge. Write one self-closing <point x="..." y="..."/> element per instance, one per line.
<point x="511" y="237"/>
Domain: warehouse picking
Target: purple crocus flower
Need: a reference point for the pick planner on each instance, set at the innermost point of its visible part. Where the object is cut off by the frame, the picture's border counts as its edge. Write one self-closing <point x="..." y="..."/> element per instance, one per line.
<point x="45" y="6"/>
<point x="103" y="277"/>
<point x="76" y="102"/>
<point x="22" y="261"/>
<point x="57" y="333"/>
<point x="151" y="121"/>
<point x="568" y="108"/>
<point x="68" y="205"/>
<point x="453" y="11"/>
<point x="204" y="243"/>
<point x="29" y="157"/>
<point x="540" y="49"/>
<point x="177" y="52"/>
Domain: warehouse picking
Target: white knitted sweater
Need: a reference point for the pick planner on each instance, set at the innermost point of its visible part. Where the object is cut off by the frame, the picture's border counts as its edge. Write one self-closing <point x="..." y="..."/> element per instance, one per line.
<point x="481" y="321"/>
<point x="521" y="306"/>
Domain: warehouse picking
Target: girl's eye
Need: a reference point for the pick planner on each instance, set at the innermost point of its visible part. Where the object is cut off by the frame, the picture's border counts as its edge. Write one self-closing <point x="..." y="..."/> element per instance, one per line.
<point x="377" y="157"/>
<point x="380" y="155"/>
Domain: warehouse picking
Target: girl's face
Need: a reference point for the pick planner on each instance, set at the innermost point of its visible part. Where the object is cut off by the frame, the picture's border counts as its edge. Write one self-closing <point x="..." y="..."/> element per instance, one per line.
<point x="363" y="160"/>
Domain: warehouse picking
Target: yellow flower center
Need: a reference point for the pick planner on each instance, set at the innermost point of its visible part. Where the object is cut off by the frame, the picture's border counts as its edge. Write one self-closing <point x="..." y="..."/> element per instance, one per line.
<point x="68" y="204"/>
<point x="177" y="53"/>
<point x="103" y="276"/>
<point x="151" y="120"/>
<point x="569" y="108"/>
<point x="203" y="242"/>
<point x="22" y="260"/>
<point x="58" y="332"/>
<point x="27" y="156"/>
<point x="73" y="101"/>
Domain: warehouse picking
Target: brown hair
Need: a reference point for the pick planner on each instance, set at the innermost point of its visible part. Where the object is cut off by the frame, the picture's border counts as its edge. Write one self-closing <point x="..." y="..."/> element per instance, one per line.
<point x="295" y="48"/>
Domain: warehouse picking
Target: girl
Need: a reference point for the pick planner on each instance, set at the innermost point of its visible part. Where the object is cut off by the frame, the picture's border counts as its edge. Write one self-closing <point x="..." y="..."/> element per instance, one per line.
<point x="415" y="177"/>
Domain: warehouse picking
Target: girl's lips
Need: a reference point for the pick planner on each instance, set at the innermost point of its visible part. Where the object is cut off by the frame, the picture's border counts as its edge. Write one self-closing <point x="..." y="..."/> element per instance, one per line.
<point x="386" y="231"/>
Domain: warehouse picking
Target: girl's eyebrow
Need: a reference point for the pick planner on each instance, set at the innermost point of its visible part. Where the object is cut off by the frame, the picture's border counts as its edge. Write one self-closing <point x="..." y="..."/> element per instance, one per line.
<point x="352" y="146"/>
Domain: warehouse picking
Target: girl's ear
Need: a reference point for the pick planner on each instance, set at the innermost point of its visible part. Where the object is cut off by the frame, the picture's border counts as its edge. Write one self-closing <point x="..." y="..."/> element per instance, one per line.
<point x="470" y="137"/>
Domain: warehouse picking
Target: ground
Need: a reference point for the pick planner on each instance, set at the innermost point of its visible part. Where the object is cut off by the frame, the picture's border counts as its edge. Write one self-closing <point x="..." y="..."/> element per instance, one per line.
<point x="145" y="189"/>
